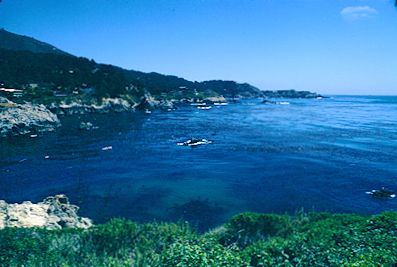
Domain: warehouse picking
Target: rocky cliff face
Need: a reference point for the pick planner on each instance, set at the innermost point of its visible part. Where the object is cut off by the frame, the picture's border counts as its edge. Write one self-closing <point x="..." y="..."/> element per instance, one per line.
<point x="52" y="213"/>
<point x="148" y="102"/>
<point x="106" y="105"/>
<point x="20" y="119"/>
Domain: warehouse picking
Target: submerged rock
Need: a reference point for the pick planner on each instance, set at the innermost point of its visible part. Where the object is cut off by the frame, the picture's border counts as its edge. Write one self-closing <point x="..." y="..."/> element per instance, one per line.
<point x="21" y="119"/>
<point x="54" y="212"/>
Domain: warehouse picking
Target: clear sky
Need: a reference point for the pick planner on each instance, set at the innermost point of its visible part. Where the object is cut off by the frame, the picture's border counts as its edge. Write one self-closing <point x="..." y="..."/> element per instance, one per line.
<point x="328" y="46"/>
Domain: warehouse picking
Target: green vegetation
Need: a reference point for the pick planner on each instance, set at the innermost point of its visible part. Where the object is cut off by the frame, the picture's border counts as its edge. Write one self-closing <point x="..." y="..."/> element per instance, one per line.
<point x="47" y="74"/>
<point x="9" y="40"/>
<point x="248" y="239"/>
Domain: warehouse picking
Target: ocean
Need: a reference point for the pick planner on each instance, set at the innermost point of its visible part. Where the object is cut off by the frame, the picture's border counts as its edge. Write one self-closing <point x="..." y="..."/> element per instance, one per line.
<point x="311" y="154"/>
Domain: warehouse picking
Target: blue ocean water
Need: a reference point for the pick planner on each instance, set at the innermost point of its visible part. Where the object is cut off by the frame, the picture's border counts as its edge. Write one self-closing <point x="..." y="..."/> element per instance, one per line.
<point x="318" y="155"/>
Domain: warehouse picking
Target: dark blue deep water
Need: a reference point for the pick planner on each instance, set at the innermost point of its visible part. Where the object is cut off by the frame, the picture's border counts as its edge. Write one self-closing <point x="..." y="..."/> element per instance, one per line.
<point x="317" y="154"/>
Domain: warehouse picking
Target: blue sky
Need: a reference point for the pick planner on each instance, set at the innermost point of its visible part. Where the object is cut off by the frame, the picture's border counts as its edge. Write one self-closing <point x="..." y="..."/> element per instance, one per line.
<point x="329" y="46"/>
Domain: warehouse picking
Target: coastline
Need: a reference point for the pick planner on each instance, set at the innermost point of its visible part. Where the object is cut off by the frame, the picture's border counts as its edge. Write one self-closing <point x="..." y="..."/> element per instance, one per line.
<point x="40" y="115"/>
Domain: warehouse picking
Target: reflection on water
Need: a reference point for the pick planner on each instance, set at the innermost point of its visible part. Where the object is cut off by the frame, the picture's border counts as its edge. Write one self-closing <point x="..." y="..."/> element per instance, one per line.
<point x="316" y="154"/>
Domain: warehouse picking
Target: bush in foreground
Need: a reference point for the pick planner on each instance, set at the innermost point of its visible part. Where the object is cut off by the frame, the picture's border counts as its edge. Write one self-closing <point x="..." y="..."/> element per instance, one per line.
<point x="248" y="239"/>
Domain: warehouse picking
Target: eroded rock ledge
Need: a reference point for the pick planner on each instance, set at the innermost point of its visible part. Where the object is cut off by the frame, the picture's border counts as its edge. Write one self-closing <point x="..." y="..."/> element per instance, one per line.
<point x="20" y="119"/>
<point x="54" y="212"/>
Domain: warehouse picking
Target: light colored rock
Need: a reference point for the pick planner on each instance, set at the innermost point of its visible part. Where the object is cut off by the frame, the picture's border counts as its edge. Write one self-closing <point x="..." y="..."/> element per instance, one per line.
<point x="106" y="105"/>
<point x="3" y="213"/>
<point x="4" y="100"/>
<point x="87" y="126"/>
<point x="20" y="119"/>
<point x="52" y="213"/>
<point x="148" y="102"/>
<point x="216" y="99"/>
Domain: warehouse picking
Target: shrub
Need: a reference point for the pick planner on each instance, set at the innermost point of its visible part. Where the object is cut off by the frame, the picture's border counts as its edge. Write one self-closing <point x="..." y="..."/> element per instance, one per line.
<point x="246" y="228"/>
<point x="199" y="253"/>
<point x="249" y="239"/>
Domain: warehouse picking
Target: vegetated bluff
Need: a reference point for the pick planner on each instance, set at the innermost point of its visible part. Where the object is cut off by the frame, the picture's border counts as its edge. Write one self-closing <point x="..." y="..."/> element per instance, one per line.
<point x="248" y="239"/>
<point x="43" y="70"/>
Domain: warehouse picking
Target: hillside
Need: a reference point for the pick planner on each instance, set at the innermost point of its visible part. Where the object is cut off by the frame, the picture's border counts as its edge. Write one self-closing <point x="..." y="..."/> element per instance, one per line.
<point x="42" y="70"/>
<point x="12" y="41"/>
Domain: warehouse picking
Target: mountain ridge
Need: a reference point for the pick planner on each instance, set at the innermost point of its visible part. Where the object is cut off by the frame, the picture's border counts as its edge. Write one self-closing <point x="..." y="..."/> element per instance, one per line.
<point x="25" y="60"/>
<point x="13" y="41"/>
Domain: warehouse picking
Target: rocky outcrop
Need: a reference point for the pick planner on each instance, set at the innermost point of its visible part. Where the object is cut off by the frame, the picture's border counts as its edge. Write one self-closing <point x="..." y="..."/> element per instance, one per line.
<point x="20" y="119"/>
<point x="87" y="126"/>
<point x="52" y="213"/>
<point x="105" y="106"/>
<point x="291" y="94"/>
<point x="215" y="99"/>
<point x="148" y="102"/>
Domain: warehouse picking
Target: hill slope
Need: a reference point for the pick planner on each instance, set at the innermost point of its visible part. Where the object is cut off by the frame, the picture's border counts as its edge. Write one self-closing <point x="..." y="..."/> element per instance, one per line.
<point x="25" y="61"/>
<point x="12" y="41"/>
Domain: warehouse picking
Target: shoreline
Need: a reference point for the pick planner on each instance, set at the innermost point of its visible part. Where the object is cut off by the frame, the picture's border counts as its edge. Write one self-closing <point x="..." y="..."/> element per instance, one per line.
<point x="24" y="118"/>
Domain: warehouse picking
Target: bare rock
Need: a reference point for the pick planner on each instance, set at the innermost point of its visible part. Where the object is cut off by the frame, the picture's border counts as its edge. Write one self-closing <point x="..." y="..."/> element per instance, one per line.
<point x="106" y="105"/>
<point x="216" y="99"/>
<point x="20" y="119"/>
<point x="54" y="212"/>
<point x="87" y="126"/>
<point x="148" y="102"/>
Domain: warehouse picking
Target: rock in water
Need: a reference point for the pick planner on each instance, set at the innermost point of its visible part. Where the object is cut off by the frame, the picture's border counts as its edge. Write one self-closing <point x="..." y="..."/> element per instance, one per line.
<point x="54" y="212"/>
<point x="195" y="142"/>
<point x="20" y="119"/>
<point x="87" y="126"/>
<point x="383" y="193"/>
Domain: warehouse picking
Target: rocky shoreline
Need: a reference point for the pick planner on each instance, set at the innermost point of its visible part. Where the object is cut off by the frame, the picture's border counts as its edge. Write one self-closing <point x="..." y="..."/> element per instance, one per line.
<point x="107" y="105"/>
<point x="53" y="212"/>
<point x="22" y="119"/>
<point x="31" y="119"/>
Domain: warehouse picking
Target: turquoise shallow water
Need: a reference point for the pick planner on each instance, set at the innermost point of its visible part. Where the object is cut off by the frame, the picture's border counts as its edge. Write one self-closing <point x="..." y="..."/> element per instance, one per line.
<point x="317" y="154"/>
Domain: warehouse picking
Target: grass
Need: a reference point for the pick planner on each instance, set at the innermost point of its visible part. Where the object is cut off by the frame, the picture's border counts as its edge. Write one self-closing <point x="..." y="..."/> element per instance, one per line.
<point x="248" y="239"/>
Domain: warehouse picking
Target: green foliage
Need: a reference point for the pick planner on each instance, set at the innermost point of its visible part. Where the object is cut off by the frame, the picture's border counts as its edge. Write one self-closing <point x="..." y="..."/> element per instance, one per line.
<point x="249" y="227"/>
<point x="59" y="73"/>
<point x="53" y="72"/>
<point x="12" y="41"/>
<point x="200" y="253"/>
<point x="248" y="239"/>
